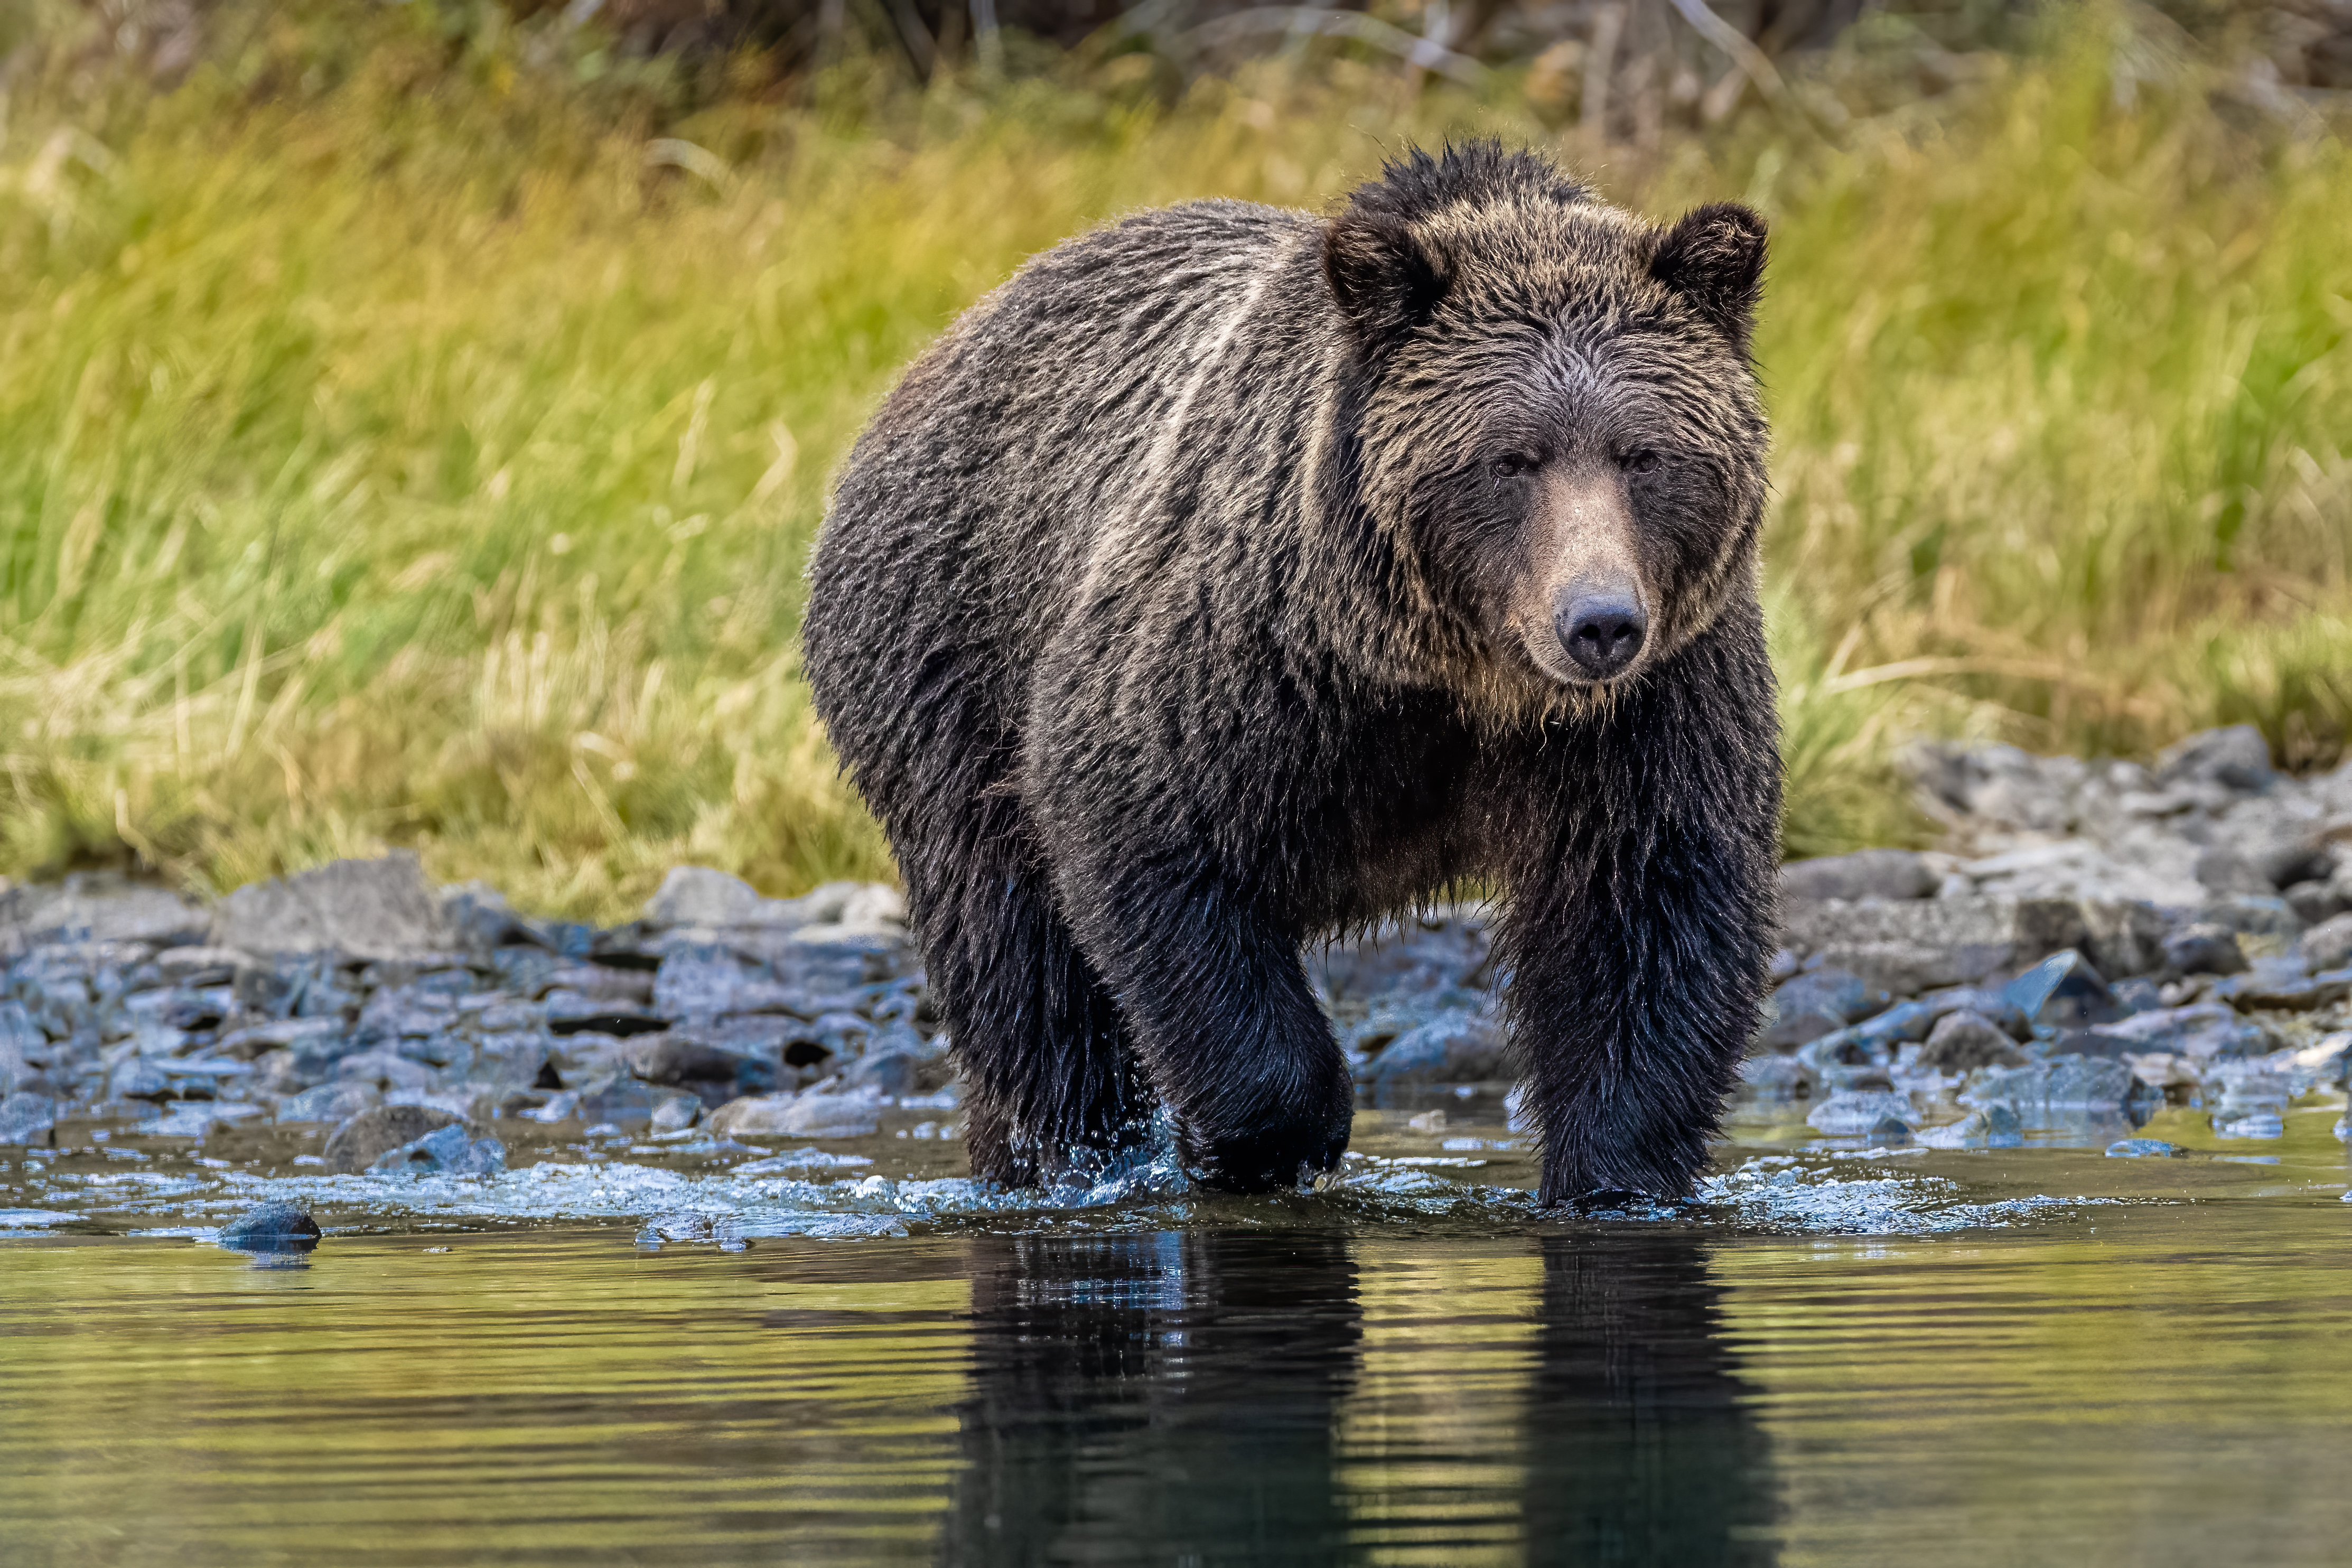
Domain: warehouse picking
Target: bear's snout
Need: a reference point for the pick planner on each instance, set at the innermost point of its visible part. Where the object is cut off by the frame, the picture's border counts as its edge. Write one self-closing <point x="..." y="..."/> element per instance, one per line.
<point x="1600" y="626"/>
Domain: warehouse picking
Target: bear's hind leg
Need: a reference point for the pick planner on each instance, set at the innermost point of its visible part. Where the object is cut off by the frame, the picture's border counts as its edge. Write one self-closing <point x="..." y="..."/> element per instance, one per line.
<point x="1048" y="1078"/>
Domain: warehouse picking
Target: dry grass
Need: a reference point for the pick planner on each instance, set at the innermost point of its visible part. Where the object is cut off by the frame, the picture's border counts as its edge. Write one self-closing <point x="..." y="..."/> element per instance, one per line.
<point x="408" y="441"/>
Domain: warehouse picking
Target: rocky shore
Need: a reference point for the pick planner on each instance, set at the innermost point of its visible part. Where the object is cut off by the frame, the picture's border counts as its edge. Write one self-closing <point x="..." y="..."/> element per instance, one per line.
<point x="2097" y="942"/>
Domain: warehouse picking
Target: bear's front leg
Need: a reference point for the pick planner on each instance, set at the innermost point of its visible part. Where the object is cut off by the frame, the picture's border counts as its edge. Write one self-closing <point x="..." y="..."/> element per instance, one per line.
<point x="1218" y="1005"/>
<point x="1638" y="939"/>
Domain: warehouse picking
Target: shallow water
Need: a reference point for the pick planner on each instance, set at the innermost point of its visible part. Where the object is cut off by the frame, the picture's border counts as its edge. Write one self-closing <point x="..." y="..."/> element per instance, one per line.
<point x="2016" y="1356"/>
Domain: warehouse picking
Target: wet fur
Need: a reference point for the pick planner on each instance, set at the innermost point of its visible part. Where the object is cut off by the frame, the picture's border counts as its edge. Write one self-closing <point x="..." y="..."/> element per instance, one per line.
<point x="1160" y="617"/>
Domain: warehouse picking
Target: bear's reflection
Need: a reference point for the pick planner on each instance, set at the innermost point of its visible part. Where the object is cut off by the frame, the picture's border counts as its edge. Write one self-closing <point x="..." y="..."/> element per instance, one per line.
<point x="1175" y="1398"/>
<point x="1641" y="1448"/>
<point x="1162" y="1398"/>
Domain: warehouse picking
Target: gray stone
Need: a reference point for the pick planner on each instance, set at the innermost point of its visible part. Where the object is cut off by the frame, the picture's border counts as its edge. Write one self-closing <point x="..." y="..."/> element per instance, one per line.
<point x="1970" y="938"/>
<point x="1995" y="1126"/>
<point x="2314" y="903"/>
<point x="677" y="1113"/>
<point x="477" y="915"/>
<point x="1864" y="873"/>
<point x="1963" y="1041"/>
<point x="1775" y="1077"/>
<point x="2063" y="990"/>
<point x="335" y="1102"/>
<point x="97" y="908"/>
<point x="2203" y="948"/>
<point x="2225" y="871"/>
<point x="1457" y="1048"/>
<point x="1852" y="1112"/>
<point x="364" y="909"/>
<point x="699" y="895"/>
<point x="201" y="965"/>
<point x="1835" y="993"/>
<point x="443" y="1151"/>
<point x="2145" y="1149"/>
<point x="372" y="1134"/>
<point x="139" y="1078"/>
<point x="2062" y="1083"/>
<point x="2285" y="985"/>
<point x="2236" y="758"/>
<point x="26" y="1118"/>
<point x="2205" y="1031"/>
<point x="2328" y="945"/>
<point x="700" y="983"/>
<point x="760" y="1115"/>
<point x="270" y="1221"/>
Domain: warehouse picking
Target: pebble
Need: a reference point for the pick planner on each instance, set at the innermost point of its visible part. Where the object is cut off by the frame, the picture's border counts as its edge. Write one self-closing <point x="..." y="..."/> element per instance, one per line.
<point x="2145" y="1149"/>
<point x="271" y="1227"/>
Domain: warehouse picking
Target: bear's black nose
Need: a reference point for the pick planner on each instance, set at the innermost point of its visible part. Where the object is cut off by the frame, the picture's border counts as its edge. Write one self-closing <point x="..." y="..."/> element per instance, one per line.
<point x="1601" y="631"/>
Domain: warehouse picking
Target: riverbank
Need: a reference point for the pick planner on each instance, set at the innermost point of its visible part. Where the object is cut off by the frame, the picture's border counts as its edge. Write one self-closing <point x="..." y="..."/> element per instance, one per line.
<point x="2155" y="962"/>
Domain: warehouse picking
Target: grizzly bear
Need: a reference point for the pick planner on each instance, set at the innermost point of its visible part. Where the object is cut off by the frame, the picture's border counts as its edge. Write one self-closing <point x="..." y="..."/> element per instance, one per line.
<point x="1231" y="577"/>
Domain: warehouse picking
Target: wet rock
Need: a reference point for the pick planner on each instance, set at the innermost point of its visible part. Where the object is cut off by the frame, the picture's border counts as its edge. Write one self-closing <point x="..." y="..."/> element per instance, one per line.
<point x="366" y="909"/>
<point x="2205" y="1031"/>
<point x="202" y="965"/>
<point x="270" y="1227"/>
<point x="2284" y="984"/>
<point x="2261" y="1124"/>
<point x="333" y="1102"/>
<point x="903" y="1066"/>
<point x="2328" y="945"/>
<point x="2063" y="990"/>
<point x="26" y="1118"/>
<point x="676" y="1113"/>
<point x="1776" y="1078"/>
<point x="2315" y="902"/>
<point x="680" y="1059"/>
<point x="1964" y="1041"/>
<point x="1994" y="1126"/>
<point x="752" y="1115"/>
<point x="1866" y="874"/>
<point x="445" y="1151"/>
<point x="1856" y="1111"/>
<point x="2145" y="1149"/>
<point x="1938" y="941"/>
<point x="372" y="1134"/>
<point x="700" y="983"/>
<point x="2203" y="948"/>
<point x="2062" y="1083"/>
<point x="1459" y="1047"/>
<point x="1443" y="950"/>
<point x="139" y="1078"/>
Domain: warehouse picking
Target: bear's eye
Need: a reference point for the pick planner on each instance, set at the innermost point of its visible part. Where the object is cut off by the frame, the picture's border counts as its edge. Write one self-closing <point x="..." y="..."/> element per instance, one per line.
<point x="1512" y="465"/>
<point x="1643" y="462"/>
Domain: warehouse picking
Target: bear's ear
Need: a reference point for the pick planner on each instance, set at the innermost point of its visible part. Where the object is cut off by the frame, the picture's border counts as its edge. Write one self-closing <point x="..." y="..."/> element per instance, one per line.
<point x="1386" y="279"/>
<point x="1715" y="258"/>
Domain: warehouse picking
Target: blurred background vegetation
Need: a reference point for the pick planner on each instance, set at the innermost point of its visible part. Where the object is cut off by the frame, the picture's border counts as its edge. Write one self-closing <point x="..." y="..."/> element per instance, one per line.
<point x="415" y="415"/>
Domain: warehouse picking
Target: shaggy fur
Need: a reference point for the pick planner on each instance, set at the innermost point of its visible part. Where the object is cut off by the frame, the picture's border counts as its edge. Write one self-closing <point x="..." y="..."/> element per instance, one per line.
<point x="1204" y="592"/>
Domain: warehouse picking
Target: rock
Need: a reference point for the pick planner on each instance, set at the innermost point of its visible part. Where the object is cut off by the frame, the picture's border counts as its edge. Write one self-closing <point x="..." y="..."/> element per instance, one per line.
<point x="1830" y="997"/>
<point x="817" y="1114"/>
<point x="1774" y="1078"/>
<point x="2236" y="758"/>
<point x="706" y="982"/>
<point x="363" y="909"/>
<point x="139" y="1078"/>
<point x="2328" y="945"/>
<point x="2227" y="871"/>
<point x="2203" y="948"/>
<point x="897" y="1071"/>
<point x="2144" y="1149"/>
<point x="2062" y="1083"/>
<point x="699" y="895"/>
<point x="1995" y="1126"/>
<point x="1945" y="939"/>
<point x="2261" y="1124"/>
<point x="2315" y="902"/>
<point x="677" y="1113"/>
<point x="1427" y="1121"/>
<point x="97" y="908"/>
<point x="477" y="915"/>
<point x="1866" y="874"/>
<point x="1963" y="1041"/>
<point x="1854" y="1111"/>
<point x="447" y="1150"/>
<point x="1456" y="1048"/>
<point x="1441" y="950"/>
<point x="753" y="1115"/>
<point x="674" y="1059"/>
<point x="2284" y="984"/>
<point x="335" y="1102"/>
<point x="2062" y="990"/>
<point x="26" y="1118"/>
<point x="372" y="1134"/>
<point x="2203" y="1032"/>
<point x="269" y="1222"/>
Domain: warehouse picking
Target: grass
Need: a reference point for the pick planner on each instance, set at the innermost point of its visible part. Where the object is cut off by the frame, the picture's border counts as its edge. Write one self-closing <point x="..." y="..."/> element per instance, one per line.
<point x="414" y="429"/>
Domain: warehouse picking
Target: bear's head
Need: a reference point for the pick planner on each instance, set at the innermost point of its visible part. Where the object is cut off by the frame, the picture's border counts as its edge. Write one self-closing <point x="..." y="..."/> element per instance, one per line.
<point x="1558" y="416"/>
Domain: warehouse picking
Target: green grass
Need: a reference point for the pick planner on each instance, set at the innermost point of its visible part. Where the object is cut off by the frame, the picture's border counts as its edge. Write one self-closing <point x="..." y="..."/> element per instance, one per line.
<point x="401" y="444"/>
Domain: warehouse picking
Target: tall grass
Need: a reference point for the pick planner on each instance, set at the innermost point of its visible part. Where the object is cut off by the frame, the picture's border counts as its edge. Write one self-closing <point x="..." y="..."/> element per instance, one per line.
<point x="415" y="436"/>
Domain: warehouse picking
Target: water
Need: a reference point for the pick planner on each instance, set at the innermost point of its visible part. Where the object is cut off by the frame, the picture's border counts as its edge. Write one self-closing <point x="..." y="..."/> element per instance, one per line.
<point x="2017" y="1356"/>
